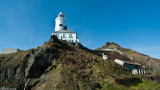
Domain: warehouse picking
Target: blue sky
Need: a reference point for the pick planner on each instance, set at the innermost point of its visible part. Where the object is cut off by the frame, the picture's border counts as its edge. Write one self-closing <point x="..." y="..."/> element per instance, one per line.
<point x="133" y="24"/>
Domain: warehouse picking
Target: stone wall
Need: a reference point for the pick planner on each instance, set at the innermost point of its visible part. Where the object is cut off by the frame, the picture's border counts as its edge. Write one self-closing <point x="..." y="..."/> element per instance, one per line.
<point x="10" y="50"/>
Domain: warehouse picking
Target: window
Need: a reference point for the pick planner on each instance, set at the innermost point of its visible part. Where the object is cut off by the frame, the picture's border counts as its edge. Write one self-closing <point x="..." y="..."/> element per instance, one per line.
<point x="134" y="67"/>
<point x="60" y="25"/>
<point x="131" y="67"/>
<point x="64" y="36"/>
<point x="128" y="66"/>
<point x="61" y="15"/>
<point x="70" y="36"/>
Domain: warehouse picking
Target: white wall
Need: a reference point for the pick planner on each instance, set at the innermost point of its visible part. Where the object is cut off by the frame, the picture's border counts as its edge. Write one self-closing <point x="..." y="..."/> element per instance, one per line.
<point x="59" y="20"/>
<point x="119" y="62"/>
<point x="10" y="50"/>
<point x="74" y="35"/>
<point x="134" y="71"/>
<point x="105" y="57"/>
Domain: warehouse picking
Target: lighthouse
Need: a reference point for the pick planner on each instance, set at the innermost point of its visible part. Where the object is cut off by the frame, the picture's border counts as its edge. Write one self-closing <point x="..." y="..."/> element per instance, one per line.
<point x="61" y="30"/>
<point x="60" y="22"/>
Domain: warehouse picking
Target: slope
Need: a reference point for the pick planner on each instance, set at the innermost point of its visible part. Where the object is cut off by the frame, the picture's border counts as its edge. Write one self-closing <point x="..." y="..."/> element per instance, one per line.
<point x="151" y="65"/>
<point x="60" y="65"/>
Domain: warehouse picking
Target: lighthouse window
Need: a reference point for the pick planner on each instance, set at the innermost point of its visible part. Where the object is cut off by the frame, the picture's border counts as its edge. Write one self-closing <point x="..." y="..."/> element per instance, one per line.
<point x="61" y="15"/>
<point x="70" y="36"/>
<point x="64" y="36"/>
<point x="60" y="25"/>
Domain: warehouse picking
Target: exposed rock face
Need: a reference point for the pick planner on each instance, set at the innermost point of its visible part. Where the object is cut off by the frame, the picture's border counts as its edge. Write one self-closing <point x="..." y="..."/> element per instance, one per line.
<point x="32" y="65"/>
<point x="54" y="39"/>
<point x="12" y="76"/>
<point x="39" y="61"/>
<point x="110" y="45"/>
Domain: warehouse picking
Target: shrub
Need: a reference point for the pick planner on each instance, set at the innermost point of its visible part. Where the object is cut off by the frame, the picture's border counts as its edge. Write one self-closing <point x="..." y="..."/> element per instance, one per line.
<point x="157" y="77"/>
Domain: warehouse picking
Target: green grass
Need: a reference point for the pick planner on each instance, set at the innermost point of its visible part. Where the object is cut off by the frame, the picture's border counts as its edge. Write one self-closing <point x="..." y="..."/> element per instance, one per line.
<point x="12" y="60"/>
<point x="143" y="85"/>
<point x="147" y="85"/>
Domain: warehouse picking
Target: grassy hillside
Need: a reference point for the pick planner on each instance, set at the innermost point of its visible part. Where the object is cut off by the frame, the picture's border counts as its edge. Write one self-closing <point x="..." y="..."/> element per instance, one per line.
<point x="142" y="59"/>
<point x="61" y="65"/>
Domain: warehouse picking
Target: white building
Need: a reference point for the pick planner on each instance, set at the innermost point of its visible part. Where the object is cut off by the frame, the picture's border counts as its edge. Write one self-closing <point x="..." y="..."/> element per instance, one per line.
<point x="61" y="30"/>
<point x="105" y="56"/>
<point x="135" y="68"/>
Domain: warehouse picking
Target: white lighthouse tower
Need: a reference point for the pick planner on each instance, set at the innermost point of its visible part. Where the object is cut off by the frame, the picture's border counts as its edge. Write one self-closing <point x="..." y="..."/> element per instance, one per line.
<point x="60" y="22"/>
<point x="61" y="30"/>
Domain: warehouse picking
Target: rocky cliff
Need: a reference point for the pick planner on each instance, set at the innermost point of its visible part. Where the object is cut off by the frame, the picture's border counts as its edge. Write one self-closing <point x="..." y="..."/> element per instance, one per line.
<point x="60" y="65"/>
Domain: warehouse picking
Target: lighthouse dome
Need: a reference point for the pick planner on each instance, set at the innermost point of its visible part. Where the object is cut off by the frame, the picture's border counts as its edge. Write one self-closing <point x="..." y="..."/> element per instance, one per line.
<point x="60" y="14"/>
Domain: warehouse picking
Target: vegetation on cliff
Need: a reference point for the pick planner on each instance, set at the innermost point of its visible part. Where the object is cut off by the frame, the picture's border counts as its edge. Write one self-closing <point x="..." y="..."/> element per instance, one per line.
<point x="60" y="65"/>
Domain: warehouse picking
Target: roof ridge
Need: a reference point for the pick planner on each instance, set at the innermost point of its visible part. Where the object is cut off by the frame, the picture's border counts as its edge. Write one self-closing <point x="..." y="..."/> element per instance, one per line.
<point x="64" y="31"/>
